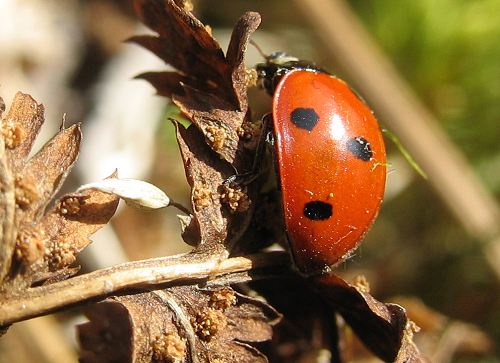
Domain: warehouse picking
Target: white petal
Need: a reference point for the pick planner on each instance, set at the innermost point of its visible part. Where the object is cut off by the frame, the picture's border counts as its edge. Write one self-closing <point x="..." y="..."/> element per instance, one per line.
<point x="136" y="193"/>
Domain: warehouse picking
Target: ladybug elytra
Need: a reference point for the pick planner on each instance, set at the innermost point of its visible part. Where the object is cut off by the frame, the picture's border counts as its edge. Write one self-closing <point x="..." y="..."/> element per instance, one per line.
<point x="331" y="160"/>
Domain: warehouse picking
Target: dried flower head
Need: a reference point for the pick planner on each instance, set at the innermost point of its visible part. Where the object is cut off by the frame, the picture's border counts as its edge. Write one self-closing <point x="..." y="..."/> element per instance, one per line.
<point x="208" y="323"/>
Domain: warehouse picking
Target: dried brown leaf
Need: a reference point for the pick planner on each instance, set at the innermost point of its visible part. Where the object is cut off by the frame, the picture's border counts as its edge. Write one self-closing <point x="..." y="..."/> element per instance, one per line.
<point x="383" y="328"/>
<point x="225" y="321"/>
<point x="183" y="41"/>
<point x="308" y="323"/>
<point x="68" y="225"/>
<point x="206" y="173"/>
<point x="29" y="185"/>
<point x="37" y="246"/>
<point x="210" y="90"/>
<point x="218" y="120"/>
<point x="213" y="93"/>
<point x="41" y="177"/>
<point x="182" y="324"/>
<point x="20" y="128"/>
<point x="165" y="83"/>
<point x="204" y="176"/>
<point x="242" y="31"/>
<point x="107" y="337"/>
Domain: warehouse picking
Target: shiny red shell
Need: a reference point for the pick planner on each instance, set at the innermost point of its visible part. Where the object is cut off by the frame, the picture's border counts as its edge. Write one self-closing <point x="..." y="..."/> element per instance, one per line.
<point x="332" y="166"/>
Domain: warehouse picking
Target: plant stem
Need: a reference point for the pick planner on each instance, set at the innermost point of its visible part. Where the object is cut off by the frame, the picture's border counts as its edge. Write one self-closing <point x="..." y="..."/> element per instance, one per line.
<point x="185" y="269"/>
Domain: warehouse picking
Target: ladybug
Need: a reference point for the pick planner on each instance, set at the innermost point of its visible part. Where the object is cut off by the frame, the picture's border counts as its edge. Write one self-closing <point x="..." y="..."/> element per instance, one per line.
<point x="331" y="160"/>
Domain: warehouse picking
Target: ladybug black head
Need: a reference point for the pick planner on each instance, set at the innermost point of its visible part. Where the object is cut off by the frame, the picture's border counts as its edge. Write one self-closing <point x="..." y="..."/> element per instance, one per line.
<point x="278" y="64"/>
<point x="280" y="58"/>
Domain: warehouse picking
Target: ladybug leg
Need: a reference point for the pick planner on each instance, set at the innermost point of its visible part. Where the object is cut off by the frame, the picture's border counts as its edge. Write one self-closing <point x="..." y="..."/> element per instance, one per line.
<point x="265" y="138"/>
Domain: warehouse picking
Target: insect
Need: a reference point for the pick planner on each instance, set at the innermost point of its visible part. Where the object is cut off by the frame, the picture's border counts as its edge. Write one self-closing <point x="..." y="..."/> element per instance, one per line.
<point x="331" y="160"/>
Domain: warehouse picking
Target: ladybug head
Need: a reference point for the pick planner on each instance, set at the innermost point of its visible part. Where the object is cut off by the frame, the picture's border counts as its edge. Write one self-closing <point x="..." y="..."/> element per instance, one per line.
<point x="280" y="58"/>
<point x="270" y="72"/>
<point x="276" y="65"/>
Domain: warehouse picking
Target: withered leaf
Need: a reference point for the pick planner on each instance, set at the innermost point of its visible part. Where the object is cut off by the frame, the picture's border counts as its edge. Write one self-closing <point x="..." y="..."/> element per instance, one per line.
<point x="308" y="323"/>
<point x="18" y="132"/>
<point x="20" y="128"/>
<point x="183" y="324"/>
<point x="166" y="83"/>
<point x="209" y="88"/>
<point x="224" y="322"/>
<point x="204" y="178"/>
<point x="183" y="40"/>
<point x="41" y="177"/>
<point x="383" y="328"/>
<point x="107" y="337"/>
<point x="218" y="120"/>
<point x="68" y="225"/>
<point x="37" y="243"/>
<point x="28" y="185"/>
<point x="242" y="31"/>
<point x="206" y="174"/>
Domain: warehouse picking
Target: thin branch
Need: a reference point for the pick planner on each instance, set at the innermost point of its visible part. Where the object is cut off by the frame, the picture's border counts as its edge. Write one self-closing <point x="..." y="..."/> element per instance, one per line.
<point x="146" y="274"/>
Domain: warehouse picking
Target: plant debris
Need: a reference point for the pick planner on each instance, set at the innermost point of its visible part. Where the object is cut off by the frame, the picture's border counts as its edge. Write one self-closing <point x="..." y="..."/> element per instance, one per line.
<point x="37" y="241"/>
<point x="208" y="87"/>
<point x="181" y="324"/>
<point x="210" y="91"/>
<point x="383" y="328"/>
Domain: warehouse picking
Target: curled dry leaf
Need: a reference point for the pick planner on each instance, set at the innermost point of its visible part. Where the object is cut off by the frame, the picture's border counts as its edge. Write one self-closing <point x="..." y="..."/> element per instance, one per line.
<point x="184" y="324"/>
<point x="383" y="328"/>
<point x="209" y="88"/>
<point x="20" y="128"/>
<point x="310" y="328"/>
<point x="36" y="243"/>
<point x="206" y="174"/>
<point x="42" y="176"/>
<point x="71" y="221"/>
<point x="137" y="193"/>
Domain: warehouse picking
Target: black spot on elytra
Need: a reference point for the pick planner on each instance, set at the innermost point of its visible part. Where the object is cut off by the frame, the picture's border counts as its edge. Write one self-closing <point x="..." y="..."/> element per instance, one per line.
<point x="360" y="148"/>
<point x="305" y="118"/>
<point x="318" y="210"/>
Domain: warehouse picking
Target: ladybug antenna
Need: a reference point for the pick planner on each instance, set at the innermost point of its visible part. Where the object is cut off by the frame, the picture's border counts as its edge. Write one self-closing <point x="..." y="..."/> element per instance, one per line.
<point x="256" y="46"/>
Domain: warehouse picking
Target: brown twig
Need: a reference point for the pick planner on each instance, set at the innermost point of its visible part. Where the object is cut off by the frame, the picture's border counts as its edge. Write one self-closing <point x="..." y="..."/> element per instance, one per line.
<point x="146" y="274"/>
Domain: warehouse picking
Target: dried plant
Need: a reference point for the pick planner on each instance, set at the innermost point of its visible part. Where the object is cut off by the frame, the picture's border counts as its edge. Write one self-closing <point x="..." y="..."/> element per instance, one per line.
<point x="192" y="307"/>
<point x="39" y="243"/>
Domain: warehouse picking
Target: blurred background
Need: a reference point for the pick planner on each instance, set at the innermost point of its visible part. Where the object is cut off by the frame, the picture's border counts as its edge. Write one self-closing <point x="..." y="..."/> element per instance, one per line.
<point x="429" y="69"/>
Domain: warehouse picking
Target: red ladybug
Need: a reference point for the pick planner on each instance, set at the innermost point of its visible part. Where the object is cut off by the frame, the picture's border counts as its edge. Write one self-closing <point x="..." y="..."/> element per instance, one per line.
<point x="331" y="160"/>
